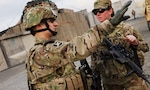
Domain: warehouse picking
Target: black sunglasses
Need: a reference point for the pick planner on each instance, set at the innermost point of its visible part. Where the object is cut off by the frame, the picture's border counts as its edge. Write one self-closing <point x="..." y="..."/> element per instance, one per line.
<point x="100" y="10"/>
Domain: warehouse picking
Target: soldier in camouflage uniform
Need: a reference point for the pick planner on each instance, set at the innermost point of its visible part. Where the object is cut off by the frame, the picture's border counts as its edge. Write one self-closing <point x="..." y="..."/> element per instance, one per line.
<point x="113" y="73"/>
<point x="49" y="63"/>
<point x="147" y="12"/>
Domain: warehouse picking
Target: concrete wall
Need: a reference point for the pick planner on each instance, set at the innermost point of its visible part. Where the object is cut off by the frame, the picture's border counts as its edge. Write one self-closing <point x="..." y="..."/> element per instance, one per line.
<point x="28" y="40"/>
<point x="12" y="47"/>
<point x="3" y="64"/>
<point x="71" y="24"/>
<point x="92" y="20"/>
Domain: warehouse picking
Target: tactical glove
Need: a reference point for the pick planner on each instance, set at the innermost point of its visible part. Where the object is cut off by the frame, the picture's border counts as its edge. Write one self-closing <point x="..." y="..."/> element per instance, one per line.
<point x="119" y="16"/>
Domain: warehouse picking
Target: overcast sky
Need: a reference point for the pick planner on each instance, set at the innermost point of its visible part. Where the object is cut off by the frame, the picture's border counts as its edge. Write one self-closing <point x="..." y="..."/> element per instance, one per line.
<point x="11" y="10"/>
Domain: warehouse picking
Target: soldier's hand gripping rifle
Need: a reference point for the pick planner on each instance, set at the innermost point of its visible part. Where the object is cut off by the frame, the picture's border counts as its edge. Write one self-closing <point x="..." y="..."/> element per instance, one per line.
<point x="122" y="55"/>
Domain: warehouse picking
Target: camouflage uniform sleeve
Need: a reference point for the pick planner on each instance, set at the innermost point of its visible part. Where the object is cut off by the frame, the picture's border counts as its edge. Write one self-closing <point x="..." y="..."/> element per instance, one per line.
<point x="81" y="46"/>
<point x="143" y="45"/>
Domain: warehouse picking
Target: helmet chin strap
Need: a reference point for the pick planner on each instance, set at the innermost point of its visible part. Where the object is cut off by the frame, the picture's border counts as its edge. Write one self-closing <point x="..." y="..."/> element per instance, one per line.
<point x="53" y="32"/>
<point x="47" y="28"/>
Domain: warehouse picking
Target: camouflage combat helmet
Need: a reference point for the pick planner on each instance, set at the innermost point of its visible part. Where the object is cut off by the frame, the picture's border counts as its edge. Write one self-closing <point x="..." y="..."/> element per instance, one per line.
<point x="36" y="14"/>
<point x="34" y="3"/>
<point x="33" y="7"/>
<point x="102" y="4"/>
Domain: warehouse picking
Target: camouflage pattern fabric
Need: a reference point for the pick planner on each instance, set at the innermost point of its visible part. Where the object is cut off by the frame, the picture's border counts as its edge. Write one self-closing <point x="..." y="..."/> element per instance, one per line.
<point x="36" y="14"/>
<point x="102" y="4"/>
<point x="50" y="63"/>
<point x="35" y="3"/>
<point x="112" y="71"/>
<point x="136" y="84"/>
<point x="147" y="9"/>
<point x="147" y="2"/>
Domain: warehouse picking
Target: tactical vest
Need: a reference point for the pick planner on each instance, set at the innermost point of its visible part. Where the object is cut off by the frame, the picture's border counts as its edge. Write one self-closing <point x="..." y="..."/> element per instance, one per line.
<point x="50" y="75"/>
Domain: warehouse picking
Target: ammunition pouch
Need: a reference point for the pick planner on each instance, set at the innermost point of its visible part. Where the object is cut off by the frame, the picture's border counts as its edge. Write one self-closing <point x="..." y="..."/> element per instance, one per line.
<point x="73" y="82"/>
<point x="59" y="84"/>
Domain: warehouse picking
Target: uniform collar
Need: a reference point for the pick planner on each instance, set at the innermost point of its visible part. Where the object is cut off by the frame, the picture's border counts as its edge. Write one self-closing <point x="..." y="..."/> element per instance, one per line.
<point x="43" y="41"/>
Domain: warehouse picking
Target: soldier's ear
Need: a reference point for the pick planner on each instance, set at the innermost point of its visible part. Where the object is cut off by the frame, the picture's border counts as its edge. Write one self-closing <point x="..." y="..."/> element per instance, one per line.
<point x="112" y="12"/>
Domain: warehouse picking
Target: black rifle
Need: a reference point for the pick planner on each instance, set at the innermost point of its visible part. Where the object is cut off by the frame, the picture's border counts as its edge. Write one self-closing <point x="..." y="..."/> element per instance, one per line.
<point x="122" y="55"/>
<point x="86" y="70"/>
